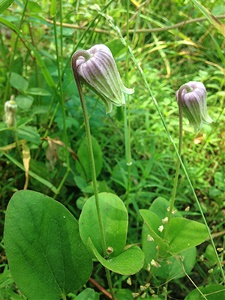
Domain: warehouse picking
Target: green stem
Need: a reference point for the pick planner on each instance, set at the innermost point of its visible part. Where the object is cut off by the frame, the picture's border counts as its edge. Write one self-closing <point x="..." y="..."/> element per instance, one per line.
<point x="127" y="125"/>
<point x="173" y="197"/>
<point x="14" y="53"/>
<point x="91" y="155"/>
<point x="59" y="56"/>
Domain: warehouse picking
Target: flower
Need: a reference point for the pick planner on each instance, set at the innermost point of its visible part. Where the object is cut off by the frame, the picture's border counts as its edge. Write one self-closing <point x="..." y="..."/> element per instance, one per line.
<point x="10" y="108"/>
<point x="96" y="68"/>
<point x="191" y="98"/>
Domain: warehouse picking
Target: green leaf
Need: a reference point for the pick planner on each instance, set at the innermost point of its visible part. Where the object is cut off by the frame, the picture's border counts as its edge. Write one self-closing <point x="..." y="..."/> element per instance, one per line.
<point x="177" y="266"/>
<point x="116" y="46"/>
<point x="152" y="235"/>
<point x="34" y="7"/>
<point x="114" y="219"/>
<point x="211" y="292"/>
<point x="38" y="91"/>
<point x="87" y="294"/>
<point x="184" y="234"/>
<point x="18" y="82"/>
<point x="32" y="174"/>
<point x="120" y="173"/>
<point x="128" y="262"/>
<point x="46" y="255"/>
<point x="4" y="4"/>
<point x="29" y="133"/>
<point x="39" y="58"/>
<point x="160" y="207"/>
<point x="124" y="294"/>
<point x="210" y="254"/>
<point x="24" y="102"/>
<point x="83" y="166"/>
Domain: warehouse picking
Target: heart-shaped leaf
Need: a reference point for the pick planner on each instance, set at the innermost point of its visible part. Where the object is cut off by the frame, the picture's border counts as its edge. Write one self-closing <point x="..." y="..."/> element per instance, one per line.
<point x="128" y="262"/>
<point x="46" y="256"/>
<point x="152" y="232"/>
<point x="184" y="234"/>
<point x="177" y="266"/>
<point x="114" y="220"/>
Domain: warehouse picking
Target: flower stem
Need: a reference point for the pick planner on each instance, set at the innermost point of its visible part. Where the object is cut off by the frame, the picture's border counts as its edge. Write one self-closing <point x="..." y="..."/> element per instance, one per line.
<point x="92" y="160"/>
<point x="127" y="123"/>
<point x="173" y="197"/>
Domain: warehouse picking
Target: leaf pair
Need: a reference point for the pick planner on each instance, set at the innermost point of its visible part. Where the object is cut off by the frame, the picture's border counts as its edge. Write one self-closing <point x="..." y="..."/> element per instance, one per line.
<point x="115" y="224"/>
<point x="171" y="250"/>
<point x="46" y="255"/>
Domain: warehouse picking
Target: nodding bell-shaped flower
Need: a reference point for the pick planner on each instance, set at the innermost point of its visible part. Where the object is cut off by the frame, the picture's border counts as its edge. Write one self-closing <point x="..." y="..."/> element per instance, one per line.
<point x="191" y="97"/>
<point x="10" y="108"/>
<point x="97" y="69"/>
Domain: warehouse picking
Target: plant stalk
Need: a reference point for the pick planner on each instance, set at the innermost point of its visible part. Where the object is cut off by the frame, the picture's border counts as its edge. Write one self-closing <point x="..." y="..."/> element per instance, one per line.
<point x="174" y="191"/>
<point x="91" y="156"/>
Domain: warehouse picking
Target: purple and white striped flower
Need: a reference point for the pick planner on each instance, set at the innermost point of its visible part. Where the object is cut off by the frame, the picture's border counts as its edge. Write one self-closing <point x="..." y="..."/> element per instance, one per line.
<point x="96" y="68"/>
<point x="191" y="97"/>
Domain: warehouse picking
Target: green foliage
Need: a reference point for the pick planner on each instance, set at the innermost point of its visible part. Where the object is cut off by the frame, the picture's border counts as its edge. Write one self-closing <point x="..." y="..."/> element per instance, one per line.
<point x="83" y="165"/>
<point x="210" y="292"/>
<point x="46" y="256"/>
<point x="114" y="220"/>
<point x="171" y="251"/>
<point x="46" y="151"/>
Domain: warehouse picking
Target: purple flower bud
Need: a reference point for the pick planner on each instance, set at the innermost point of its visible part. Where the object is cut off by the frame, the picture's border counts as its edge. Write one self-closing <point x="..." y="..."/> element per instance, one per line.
<point x="191" y="97"/>
<point x="96" y="68"/>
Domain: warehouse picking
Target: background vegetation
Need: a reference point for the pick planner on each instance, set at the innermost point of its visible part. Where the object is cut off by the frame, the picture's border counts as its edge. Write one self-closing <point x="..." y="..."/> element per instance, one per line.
<point x="172" y="45"/>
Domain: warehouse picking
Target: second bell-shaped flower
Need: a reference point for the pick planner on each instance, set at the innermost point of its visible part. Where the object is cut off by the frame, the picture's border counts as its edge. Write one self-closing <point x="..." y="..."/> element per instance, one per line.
<point x="191" y="97"/>
<point x="96" y="68"/>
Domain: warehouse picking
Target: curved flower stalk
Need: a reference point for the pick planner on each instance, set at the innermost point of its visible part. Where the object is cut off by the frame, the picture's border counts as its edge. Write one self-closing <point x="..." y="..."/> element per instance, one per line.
<point x="96" y="68"/>
<point x="191" y="97"/>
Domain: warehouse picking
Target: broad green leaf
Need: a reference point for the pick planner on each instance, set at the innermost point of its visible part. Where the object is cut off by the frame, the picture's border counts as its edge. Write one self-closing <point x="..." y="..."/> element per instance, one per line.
<point x="184" y="234"/>
<point x="34" y="7"/>
<point x="45" y="253"/>
<point x="160" y="207"/>
<point x="128" y="262"/>
<point x="211" y="292"/>
<point x="124" y="294"/>
<point x="177" y="266"/>
<point x="83" y="165"/>
<point x="148" y="245"/>
<point x="18" y="82"/>
<point x="116" y="46"/>
<point x="152" y="234"/>
<point x="87" y="294"/>
<point x="170" y="267"/>
<point x="114" y="220"/>
<point x="24" y="102"/>
<point x="4" y="4"/>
